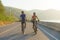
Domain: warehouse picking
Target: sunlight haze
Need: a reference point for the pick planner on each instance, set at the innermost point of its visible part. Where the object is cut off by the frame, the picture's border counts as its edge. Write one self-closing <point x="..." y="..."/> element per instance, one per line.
<point x="33" y="4"/>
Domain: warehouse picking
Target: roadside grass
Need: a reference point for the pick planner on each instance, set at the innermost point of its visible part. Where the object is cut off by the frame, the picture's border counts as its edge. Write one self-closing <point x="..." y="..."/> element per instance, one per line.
<point x="4" y="19"/>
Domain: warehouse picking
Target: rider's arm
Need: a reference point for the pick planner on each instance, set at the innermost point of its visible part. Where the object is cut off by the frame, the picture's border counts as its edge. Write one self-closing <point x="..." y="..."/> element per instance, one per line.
<point x="37" y="18"/>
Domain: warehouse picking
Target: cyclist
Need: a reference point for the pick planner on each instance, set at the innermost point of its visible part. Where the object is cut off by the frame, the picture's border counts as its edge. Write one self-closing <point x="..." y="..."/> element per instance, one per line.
<point x="23" y="21"/>
<point x="34" y="21"/>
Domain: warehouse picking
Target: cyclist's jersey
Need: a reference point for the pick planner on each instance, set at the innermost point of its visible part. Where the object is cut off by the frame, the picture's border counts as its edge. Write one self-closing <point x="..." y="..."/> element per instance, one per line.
<point x="23" y="17"/>
<point x="34" y="17"/>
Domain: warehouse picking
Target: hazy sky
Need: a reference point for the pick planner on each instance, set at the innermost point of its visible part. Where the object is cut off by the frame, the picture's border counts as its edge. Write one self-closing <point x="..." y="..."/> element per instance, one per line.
<point x="33" y="4"/>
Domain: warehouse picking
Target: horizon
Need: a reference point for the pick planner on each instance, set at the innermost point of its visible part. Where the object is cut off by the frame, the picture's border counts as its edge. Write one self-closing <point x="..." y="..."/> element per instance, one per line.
<point x="33" y="4"/>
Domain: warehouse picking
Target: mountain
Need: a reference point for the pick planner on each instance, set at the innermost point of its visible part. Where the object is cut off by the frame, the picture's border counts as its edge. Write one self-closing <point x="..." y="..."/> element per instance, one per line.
<point x="16" y="12"/>
<point x="50" y="14"/>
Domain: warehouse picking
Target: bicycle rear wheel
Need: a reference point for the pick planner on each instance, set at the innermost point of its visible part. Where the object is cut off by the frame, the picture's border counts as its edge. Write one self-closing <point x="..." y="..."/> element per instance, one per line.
<point x="23" y="27"/>
<point x="35" y="27"/>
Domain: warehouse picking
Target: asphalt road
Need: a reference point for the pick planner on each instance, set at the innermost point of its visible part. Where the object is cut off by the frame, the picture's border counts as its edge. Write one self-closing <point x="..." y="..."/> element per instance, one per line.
<point x="50" y="33"/>
<point x="9" y="31"/>
<point x="13" y="31"/>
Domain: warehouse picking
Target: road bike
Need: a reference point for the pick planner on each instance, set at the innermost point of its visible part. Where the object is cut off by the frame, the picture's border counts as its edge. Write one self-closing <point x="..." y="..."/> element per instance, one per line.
<point x="35" y="26"/>
<point x="23" y="27"/>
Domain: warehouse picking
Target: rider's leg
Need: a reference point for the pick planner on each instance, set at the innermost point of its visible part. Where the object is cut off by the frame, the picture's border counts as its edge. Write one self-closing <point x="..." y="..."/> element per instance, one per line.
<point x="22" y="27"/>
<point x="35" y="30"/>
<point x="35" y="27"/>
<point x="33" y="24"/>
<point x="25" y="25"/>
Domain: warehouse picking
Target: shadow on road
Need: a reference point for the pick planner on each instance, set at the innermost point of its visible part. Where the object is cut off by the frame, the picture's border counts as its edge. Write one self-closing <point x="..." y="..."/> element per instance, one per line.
<point x="18" y="36"/>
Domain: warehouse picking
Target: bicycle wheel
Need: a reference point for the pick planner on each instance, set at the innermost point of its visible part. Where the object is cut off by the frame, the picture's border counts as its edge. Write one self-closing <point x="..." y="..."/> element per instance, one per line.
<point x="35" y="27"/>
<point x="23" y="29"/>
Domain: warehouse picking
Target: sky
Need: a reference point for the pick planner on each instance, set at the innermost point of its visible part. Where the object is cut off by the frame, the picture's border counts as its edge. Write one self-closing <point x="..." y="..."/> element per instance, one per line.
<point x="33" y="4"/>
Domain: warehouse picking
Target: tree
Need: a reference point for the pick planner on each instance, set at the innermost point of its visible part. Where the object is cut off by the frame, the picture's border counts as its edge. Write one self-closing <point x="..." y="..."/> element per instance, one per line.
<point x="2" y="15"/>
<point x="1" y="7"/>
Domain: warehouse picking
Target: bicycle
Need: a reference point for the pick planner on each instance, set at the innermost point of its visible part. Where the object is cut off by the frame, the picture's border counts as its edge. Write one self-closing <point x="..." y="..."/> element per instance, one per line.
<point x="35" y="26"/>
<point x="23" y="27"/>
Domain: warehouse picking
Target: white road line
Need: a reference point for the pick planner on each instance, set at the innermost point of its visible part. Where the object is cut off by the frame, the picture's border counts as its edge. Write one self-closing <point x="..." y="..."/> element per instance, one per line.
<point x="48" y="33"/>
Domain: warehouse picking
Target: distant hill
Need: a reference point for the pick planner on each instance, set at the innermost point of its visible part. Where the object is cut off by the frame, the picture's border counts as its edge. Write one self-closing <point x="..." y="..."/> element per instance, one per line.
<point x="49" y="14"/>
<point x="16" y="12"/>
<point x="13" y="11"/>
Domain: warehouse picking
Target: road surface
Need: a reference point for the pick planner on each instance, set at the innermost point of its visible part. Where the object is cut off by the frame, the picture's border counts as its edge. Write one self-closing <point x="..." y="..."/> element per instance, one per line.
<point x="50" y="33"/>
<point x="13" y="32"/>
